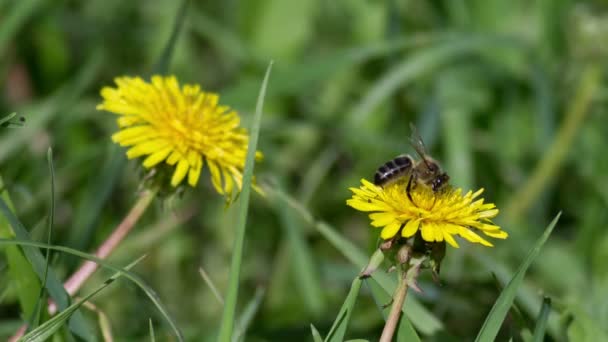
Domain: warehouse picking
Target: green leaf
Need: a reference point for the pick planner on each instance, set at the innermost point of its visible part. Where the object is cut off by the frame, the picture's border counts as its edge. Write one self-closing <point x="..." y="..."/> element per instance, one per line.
<point x="338" y="329"/>
<point x="316" y="336"/>
<point x="227" y="325"/>
<point x="48" y="328"/>
<point x="494" y="320"/>
<point x="541" y="322"/>
<point x="405" y="330"/>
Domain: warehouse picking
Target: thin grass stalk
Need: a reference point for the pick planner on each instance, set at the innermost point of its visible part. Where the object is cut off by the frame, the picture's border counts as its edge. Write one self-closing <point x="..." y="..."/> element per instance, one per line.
<point x="228" y="316"/>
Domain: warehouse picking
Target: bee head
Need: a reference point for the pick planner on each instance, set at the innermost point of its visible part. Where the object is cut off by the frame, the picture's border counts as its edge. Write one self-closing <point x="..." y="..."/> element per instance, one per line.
<point x="439" y="182"/>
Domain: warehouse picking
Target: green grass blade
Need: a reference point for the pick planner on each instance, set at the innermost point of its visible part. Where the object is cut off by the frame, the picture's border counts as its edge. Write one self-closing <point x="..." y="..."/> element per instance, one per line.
<point x="405" y="330"/>
<point x="227" y="325"/>
<point x="418" y="65"/>
<point x="303" y="268"/>
<point x="15" y="19"/>
<point x="292" y="81"/>
<point x="163" y="61"/>
<point x="152" y="337"/>
<point x="48" y="328"/>
<point x="20" y="270"/>
<point x="541" y="322"/>
<point x="54" y="286"/>
<point x="39" y="115"/>
<point x="251" y="309"/>
<point x="495" y="318"/>
<point x="419" y="316"/>
<point x="316" y="336"/>
<point x="96" y="195"/>
<point x="41" y="299"/>
<point x="338" y="329"/>
<point x="7" y="118"/>
<point x="128" y="275"/>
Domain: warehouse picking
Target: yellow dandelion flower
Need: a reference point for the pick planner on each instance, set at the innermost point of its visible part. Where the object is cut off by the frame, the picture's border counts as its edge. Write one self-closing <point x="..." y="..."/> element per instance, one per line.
<point x="181" y="126"/>
<point x="438" y="216"/>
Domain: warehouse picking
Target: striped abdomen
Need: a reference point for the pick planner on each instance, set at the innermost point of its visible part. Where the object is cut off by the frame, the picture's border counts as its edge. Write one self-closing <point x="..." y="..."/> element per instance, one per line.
<point x="393" y="169"/>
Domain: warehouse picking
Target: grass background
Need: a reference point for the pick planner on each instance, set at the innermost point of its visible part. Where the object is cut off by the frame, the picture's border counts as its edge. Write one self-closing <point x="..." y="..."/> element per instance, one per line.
<point x="509" y="96"/>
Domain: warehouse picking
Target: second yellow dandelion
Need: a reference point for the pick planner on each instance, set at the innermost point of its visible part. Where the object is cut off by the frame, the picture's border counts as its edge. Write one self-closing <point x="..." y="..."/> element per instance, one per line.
<point x="183" y="127"/>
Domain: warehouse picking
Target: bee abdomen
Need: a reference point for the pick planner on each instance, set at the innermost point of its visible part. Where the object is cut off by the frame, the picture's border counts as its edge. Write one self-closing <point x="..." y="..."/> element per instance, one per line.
<point x="393" y="169"/>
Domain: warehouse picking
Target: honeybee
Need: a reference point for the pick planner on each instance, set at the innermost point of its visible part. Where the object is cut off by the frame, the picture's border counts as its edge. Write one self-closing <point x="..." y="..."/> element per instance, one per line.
<point x="425" y="172"/>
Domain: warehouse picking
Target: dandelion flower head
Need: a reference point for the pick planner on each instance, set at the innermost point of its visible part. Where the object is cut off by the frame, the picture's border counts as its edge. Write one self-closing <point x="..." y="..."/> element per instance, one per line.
<point x="180" y="126"/>
<point x="439" y="216"/>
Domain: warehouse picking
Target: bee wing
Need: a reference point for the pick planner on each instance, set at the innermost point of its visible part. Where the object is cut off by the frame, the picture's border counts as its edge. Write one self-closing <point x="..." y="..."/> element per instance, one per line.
<point x="417" y="143"/>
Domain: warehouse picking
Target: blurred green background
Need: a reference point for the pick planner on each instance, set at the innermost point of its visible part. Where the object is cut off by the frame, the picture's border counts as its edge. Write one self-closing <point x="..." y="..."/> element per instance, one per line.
<point x="509" y="95"/>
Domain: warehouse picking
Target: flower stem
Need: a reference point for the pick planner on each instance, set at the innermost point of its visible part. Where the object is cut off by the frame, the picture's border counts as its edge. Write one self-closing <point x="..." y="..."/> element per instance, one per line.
<point x="75" y="282"/>
<point x="395" y="314"/>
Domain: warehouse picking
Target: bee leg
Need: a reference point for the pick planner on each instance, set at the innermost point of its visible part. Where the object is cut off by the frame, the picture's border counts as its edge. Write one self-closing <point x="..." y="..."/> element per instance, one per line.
<point x="408" y="188"/>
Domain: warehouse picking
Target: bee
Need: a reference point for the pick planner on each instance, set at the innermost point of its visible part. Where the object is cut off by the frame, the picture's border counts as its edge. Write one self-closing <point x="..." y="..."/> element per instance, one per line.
<point x="425" y="172"/>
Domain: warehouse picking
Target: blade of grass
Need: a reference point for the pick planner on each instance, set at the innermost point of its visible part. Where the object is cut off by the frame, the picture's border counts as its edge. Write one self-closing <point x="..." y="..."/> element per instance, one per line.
<point x="15" y="19"/>
<point x="405" y="330"/>
<point x="554" y="155"/>
<point x="292" y="81"/>
<point x="416" y="66"/>
<point x="21" y="272"/>
<point x="96" y="196"/>
<point x="7" y="118"/>
<point x="48" y="328"/>
<point x="163" y="61"/>
<point x="495" y="318"/>
<point x="227" y="325"/>
<point x="316" y="174"/>
<point x="41" y="298"/>
<point x="338" y="329"/>
<point x="211" y="285"/>
<point x="44" y="111"/>
<point x="54" y="286"/>
<point x="103" y="263"/>
<point x="248" y="314"/>
<point x="541" y="322"/>
<point x="152" y="337"/>
<point x="303" y="269"/>
<point x="419" y="316"/>
<point x="316" y="336"/>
